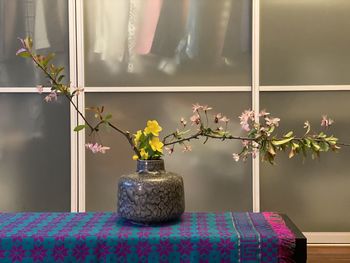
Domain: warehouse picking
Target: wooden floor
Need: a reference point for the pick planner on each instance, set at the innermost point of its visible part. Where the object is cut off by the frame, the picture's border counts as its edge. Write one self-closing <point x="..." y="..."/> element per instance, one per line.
<point x="322" y="254"/>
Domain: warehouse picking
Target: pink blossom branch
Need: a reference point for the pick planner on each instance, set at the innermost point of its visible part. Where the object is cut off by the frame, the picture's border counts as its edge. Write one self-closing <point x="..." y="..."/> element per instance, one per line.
<point x="57" y="84"/>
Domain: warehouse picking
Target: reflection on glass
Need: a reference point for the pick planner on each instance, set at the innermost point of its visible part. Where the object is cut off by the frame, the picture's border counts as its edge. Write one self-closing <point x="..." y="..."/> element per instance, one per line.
<point x="167" y="43"/>
<point x="305" y="42"/>
<point x="315" y="194"/>
<point x="46" y="22"/>
<point x="213" y="181"/>
<point x="34" y="154"/>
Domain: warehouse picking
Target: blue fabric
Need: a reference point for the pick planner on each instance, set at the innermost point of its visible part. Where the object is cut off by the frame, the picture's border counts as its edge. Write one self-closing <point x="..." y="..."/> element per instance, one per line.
<point x="104" y="237"/>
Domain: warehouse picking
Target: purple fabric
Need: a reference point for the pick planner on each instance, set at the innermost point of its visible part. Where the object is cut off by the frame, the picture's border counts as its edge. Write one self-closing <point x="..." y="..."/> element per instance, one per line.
<point x="104" y="237"/>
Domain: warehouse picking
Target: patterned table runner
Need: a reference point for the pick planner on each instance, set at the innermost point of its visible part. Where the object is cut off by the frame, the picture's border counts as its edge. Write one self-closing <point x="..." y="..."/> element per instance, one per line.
<point x="103" y="237"/>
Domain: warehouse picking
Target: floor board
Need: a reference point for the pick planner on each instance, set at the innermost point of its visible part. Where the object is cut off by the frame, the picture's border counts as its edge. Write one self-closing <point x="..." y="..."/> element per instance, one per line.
<point x="325" y="254"/>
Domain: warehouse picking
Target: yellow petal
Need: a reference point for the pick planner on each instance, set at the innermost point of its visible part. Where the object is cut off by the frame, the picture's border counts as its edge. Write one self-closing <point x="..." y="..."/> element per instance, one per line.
<point x="153" y="127"/>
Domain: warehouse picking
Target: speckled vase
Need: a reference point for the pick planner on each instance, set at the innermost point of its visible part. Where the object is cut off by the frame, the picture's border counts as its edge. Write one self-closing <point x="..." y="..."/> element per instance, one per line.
<point x="151" y="195"/>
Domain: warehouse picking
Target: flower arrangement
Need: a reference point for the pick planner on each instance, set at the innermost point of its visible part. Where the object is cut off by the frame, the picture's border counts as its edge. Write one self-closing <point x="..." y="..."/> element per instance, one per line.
<point x="261" y="128"/>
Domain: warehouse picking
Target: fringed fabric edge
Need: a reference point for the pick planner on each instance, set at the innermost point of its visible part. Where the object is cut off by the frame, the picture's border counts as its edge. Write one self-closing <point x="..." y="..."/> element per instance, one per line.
<point x="286" y="237"/>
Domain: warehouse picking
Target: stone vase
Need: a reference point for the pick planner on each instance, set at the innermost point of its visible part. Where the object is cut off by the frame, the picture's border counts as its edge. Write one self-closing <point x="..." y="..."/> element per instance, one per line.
<point x="151" y="195"/>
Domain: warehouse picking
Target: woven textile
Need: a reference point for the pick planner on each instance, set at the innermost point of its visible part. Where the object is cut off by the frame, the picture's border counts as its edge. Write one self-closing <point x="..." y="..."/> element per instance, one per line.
<point x="103" y="237"/>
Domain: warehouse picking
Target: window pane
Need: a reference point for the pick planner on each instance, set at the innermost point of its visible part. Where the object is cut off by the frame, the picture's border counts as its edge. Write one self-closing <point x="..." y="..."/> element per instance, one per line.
<point x="46" y="22"/>
<point x="34" y="154"/>
<point x="213" y="181"/>
<point x="167" y="43"/>
<point x="315" y="194"/>
<point x="305" y="42"/>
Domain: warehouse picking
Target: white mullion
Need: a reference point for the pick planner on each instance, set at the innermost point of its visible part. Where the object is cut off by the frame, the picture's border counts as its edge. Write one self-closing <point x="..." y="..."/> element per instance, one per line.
<point x="256" y="98"/>
<point x="81" y="102"/>
<point x="171" y="89"/>
<point x="73" y="115"/>
<point x="305" y="88"/>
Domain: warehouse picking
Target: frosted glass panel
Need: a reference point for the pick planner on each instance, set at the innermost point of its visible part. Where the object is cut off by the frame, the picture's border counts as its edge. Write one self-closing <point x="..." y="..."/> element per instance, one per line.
<point x="46" y="21"/>
<point x="305" y="42"/>
<point x="34" y="154"/>
<point x="213" y="181"/>
<point x="314" y="194"/>
<point x="167" y="42"/>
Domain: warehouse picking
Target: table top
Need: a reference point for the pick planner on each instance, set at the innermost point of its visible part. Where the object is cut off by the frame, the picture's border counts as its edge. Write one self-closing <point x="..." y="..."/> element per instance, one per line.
<point x="103" y="236"/>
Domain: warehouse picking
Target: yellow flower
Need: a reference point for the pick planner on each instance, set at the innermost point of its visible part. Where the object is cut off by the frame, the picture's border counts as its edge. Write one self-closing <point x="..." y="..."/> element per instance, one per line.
<point x="144" y="154"/>
<point x="156" y="145"/>
<point x="135" y="157"/>
<point x="153" y="127"/>
<point x="137" y="136"/>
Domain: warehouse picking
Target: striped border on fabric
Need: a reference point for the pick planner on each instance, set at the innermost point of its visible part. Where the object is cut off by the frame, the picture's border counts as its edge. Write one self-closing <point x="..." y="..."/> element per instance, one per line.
<point x="286" y="237"/>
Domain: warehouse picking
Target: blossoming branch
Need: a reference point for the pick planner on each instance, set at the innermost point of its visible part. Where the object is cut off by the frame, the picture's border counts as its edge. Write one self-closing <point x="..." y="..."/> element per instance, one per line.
<point x="260" y="127"/>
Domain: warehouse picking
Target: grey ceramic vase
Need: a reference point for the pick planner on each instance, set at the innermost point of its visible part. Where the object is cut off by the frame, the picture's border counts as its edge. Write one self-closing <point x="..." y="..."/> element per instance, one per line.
<point x="151" y="195"/>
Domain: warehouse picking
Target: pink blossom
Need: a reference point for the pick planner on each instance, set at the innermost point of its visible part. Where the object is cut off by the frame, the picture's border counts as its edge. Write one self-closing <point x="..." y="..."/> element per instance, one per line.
<point x="263" y="113"/>
<point x="255" y="144"/>
<point x="224" y="119"/>
<point x="40" y="89"/>
<point x="217" y="117"/>
<point x="245" y="126"/>
<point x="196" y="107"/>
<point x="235" y="157"/>
<point x="183" y="121"/>
<point x="206" y="108"/>
<point x="196" y="119"/>
<point x="96" y="148"/>
<point x="254" y="153"/>
<point x="326" y="122"/>
<point x="21" y="50"/>
<point x="245" y="117"/>
<point x="51" y="96"/>
<point x="245" y="143"/>
<point x="187" y="148"/>
<point x="169" y="150"/>
<point x="272" y="121"/>
<point x="78" y="91"/>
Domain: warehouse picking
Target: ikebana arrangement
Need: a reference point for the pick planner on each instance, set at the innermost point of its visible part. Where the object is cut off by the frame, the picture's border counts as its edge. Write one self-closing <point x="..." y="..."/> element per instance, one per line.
<point x="140" y="205"/>
<point x="146" y="144"/>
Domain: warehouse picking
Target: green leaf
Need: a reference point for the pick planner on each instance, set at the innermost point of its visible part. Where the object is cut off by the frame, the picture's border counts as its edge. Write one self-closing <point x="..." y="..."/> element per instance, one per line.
<point x="271" y="149"/>
<point x="280" y="142"/>
<point x="324" y="146"/>
<point x="315" y="146"/>
<point x="109" y="116"/>
<point x="291" y="153"/>
<point x="28" y="41"/>
<point x="60" y="78"/>
<point x="80" y="127"/>
<point x="24" y="54"/>
<point x="47" y="59"/>
<point x="289" y="134"/>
